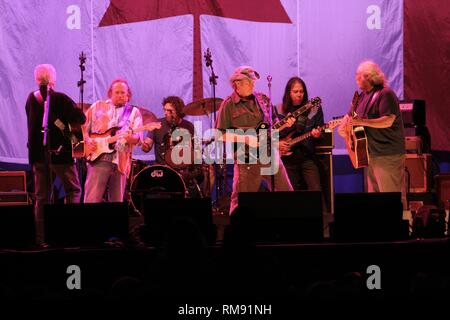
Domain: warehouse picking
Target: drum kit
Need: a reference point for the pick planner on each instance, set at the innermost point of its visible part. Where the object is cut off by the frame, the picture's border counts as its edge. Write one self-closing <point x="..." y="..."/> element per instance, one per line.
<point x="171" y="181"/>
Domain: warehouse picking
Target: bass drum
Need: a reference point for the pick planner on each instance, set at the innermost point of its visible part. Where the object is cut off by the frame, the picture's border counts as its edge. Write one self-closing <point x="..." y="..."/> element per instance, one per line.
<point x="157" y="181"/>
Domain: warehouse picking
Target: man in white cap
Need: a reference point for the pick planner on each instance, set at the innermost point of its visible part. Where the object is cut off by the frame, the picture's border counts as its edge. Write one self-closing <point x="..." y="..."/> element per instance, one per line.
<point x="245" y="110"/>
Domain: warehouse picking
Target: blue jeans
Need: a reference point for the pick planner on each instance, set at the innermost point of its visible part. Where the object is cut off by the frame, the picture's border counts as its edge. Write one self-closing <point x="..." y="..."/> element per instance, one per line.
<point x="104" y="176"/>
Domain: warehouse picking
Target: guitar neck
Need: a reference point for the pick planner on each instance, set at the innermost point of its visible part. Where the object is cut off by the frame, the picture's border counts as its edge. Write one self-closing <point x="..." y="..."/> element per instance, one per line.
<point x="120" y="136"/>
<point x="294" y="114"/>
<point x="305" y="135"/>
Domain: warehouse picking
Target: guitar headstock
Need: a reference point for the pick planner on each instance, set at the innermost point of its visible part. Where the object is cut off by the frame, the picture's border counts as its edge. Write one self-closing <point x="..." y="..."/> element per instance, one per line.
<point x="316" y="101"/>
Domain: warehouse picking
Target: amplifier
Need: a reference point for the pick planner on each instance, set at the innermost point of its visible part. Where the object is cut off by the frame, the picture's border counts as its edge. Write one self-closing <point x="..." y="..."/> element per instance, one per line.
<point x="13" y="188"/>
<point x="326" y="142"/>
<point x="13" y="181"/>
<point x="413" y="144"/>
<point x="13" y="198"/>
<point x="413" y="112"/>
<point x="419" y="168"/>
<point x="443" y="189"/>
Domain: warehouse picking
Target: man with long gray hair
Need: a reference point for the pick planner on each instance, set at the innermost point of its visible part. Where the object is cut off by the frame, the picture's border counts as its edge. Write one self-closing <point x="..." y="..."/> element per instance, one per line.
<point x="50" y="155"/>
<point x="378" y="112"/>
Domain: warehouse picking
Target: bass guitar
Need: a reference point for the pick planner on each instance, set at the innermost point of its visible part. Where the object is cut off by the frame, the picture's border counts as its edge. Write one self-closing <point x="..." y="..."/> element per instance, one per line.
<point x="105" y="141"/>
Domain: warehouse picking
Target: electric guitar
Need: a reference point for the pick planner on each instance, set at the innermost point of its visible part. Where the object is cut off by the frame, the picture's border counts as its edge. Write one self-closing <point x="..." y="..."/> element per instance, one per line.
<point x="105" y="141"/>
<point x="77" y="140"/>
<point x="293" y="141"/>
<point x="314" y="102"/>
<point x="356" y="140"/>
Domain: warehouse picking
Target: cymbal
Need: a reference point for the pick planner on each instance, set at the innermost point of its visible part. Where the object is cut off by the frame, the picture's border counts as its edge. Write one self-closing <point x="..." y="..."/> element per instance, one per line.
<point x="202" y="107"/>
<point x="147" y="115"/>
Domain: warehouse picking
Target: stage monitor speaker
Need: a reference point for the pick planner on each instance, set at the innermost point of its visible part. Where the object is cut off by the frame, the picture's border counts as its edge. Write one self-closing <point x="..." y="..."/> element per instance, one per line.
<point x="85" y="224"/>
<point x="278" y="217"/>
<point x="368" y="217"/>
<point x="325" y="164"/>
<point x="418" y="172"/>
<point x="413" y="113"/>
<point x="178" y="219"/>
<point x="17" y="227"/>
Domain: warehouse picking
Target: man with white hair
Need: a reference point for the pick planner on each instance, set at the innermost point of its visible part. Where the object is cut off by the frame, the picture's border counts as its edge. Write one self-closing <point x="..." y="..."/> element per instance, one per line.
<point x="245" y="110"/>
<point x="378" y="112"/>
<point x="54" y="158"/>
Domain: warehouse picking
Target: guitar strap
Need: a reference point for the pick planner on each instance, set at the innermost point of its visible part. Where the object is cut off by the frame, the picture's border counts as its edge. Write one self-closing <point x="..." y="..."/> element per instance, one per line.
<point x="125" y="115"/>
<point x="370" y="102"/>
<point x="38" y="96"/>
<point x="263" y="107"/>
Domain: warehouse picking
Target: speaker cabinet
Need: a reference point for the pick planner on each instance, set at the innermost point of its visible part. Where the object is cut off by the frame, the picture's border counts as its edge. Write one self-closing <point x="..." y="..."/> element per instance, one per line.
<point x="178" y="220"/>
<point x="443" y="190"/>
<point x="278" y="217"/>
<point x="17" y="228"/>
<point x="369" y="217"/>
<point x="325" y="164"/>
<point x="418" y="172"/>
<point x="85" y="224"/>
<point x="413" y="112"/>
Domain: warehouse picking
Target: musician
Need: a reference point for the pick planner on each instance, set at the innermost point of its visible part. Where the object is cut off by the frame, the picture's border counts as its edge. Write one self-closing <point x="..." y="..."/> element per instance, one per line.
<point x="244" y="109"/>
<point x="173" y="120"/>
<point x="175" y="130"/>
<point x="379" y="113"/>
<point x="109" y="171"/>
<point x="300" y="160"/>
<point x="55" y="159"/>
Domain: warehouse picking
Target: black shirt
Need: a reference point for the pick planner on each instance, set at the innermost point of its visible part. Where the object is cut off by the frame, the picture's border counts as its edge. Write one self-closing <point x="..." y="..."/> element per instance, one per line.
<point x="161" y="137"/>
<point x="304" y="123"/>
<point x="62" y="108"/>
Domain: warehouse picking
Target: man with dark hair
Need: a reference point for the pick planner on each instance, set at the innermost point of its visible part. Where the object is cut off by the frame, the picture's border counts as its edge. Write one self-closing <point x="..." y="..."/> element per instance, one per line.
<point x="173" y="120"/>
<point x="171" y="140"/>
<point x="54" y="158"/>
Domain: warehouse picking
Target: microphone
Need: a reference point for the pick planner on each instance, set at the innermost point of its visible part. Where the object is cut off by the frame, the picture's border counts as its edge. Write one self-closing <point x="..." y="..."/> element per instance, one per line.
<point x="208" y="57"/>
<point x="45" y="117"/>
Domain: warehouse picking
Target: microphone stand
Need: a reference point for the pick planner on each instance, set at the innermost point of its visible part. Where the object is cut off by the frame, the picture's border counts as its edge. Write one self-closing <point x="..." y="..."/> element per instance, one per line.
<point x="213" y="82"/>
<point x="81" y="162"/>
<point x="46" y="142"/>
<point x="269" y="133"/>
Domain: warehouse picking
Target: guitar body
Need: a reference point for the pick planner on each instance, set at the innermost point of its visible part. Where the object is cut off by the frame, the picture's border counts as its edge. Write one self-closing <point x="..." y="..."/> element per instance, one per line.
<point x="356" y="141"/>
<point x="102" y="142"/>
<point x="288" y="140"/>
<point x="77" y="140"/>
<point x="105" y="141"/>
<point x="358" y="147"/>
<point x="293" y="141"/>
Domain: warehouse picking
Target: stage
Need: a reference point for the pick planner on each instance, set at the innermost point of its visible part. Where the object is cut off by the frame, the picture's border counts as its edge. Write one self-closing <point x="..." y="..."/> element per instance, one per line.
<point x="185" y="268"/>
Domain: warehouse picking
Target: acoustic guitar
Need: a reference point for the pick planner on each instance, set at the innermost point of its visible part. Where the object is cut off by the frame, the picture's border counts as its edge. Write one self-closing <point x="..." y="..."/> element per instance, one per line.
<point x="356" y="140"/>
